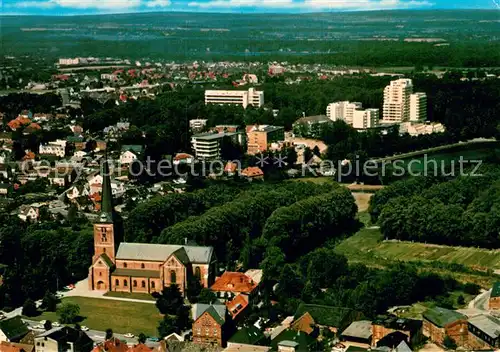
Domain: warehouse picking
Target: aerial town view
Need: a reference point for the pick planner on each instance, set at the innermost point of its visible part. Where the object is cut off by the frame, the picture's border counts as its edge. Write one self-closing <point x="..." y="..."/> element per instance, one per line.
<point x="249" y="175"/>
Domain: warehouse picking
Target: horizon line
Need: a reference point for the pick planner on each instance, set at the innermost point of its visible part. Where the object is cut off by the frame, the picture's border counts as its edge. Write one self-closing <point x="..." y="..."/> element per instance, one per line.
<point x="235" y="12"/>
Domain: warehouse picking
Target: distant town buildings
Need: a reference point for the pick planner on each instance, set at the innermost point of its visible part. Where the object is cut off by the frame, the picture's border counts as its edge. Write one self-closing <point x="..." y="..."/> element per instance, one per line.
<point x="69" y="61"/>
<point x="237" y="97"/>
<point x="419" y="128"/>
<point x="401" y="105"/>
<point x="55" y="148"/>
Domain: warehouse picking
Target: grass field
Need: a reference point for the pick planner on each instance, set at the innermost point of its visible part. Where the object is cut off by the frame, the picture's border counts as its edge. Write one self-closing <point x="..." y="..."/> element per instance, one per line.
<point x="120" y="316"/>
<point x="369" y="242"/>
<point x="367" y="246"/>
<point x="142" y="296"/>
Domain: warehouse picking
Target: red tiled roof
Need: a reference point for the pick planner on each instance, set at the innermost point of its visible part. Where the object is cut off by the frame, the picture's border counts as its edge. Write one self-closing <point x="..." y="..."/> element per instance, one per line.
<point x="140" y="348"/>
<point x="181" y="156"/>
<point x="234" y="282"/>
<point x="115" y="345"/>
<point x="7" y="347"/>
<point x="237" y="305"/>
<point x="252" y="171"/>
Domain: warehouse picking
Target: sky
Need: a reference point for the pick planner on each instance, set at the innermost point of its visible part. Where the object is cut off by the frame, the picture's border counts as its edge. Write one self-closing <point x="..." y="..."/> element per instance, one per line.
<point x="77" y="7"/>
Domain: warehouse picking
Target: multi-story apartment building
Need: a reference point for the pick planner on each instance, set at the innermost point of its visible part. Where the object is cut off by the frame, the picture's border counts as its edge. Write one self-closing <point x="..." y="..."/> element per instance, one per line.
<point x="365" y="118"/>
<point x="342" y="110"/>
<point x="418" y="107"/>
<point x="197" y="124"/>
<point x="397" y="100"/>
<point x="259" y="137"/>
<point x="208" y="145"/>
<point x="238" y="97"/>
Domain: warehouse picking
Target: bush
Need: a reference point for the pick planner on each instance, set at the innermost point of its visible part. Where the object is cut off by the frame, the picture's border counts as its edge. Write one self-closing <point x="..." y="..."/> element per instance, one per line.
<point x="68" y="313"/>
<point x="472" y="289"/>
<point x="29" y="308"/>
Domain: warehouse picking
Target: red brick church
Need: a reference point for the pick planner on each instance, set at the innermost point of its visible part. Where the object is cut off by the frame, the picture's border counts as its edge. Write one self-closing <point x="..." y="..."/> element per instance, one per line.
<point x="141" y="267"/>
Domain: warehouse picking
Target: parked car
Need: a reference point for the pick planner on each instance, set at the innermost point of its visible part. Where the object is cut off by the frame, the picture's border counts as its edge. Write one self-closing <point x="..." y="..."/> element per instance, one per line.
<point x="56" y="324"/>
<point x="129" y="335"/>
<point x="152" y="339"/>
<point x="84" y="328"/>
<point x="39" y="327"/>
<point x="42" y="322"/>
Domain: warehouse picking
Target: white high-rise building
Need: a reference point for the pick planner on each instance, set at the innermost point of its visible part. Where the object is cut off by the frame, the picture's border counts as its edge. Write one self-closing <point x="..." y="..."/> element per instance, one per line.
<point x="364" y="119"/>
<point x="397" y="100"/>
<point x="239" y="97"/>
<point x="418" y="107"/>
<point x="342" y="110"/>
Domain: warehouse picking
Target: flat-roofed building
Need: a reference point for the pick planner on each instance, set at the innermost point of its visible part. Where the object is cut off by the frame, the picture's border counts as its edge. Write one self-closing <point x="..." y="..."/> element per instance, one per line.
<point x="342" y="110"/>
<point x="259" y="137"/>
<point x="397" y="100"/>
<point x="237" y="97"/>
<point x="208" y="145"/>
<point x="364" y="119"/>
<point x="418" y="107"/>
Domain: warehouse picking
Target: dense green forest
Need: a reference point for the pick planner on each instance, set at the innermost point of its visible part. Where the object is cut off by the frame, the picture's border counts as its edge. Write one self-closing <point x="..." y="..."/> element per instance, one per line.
<point x="461" y="211"/>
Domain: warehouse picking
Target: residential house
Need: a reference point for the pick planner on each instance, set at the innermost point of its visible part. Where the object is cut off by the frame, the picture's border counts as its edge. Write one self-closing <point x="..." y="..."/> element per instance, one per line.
<point x="111" y="345"/>
<point x="335" y="319"/>
<point x="291" y="340"/>
<point x="55" y="148"/>
<point x="391" y="330"/>
<point x="494" y="302"/>
<point x="140" y="347"/>
<point x="309" y="126"/>
<point x="78" y="141"/>
<point x="57" y="179"/>
<point x="77" y="191"/>
<point x="248" y="338"/>
<point x="359" y="333"/>
<point x="484" y="332"/>
<point x="63" y="338"/>
<point x="15" y="347"/>
<point x="12" y="329"/>
<point x="5" y="188"/>
<point x="252" y="173"/>
<point x="231" y="284"/>
<point x="440" y="322"/>
<point x="183" y="158"/>
<point x="28" y="212"/>
<point x="209" y="324"/>
<point x="237" y="306"/>
<point x="130" y="153"/>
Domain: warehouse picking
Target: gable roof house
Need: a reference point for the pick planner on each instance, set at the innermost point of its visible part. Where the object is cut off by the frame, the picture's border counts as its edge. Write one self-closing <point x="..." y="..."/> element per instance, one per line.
<point x="231" y="284"/>
<point x="334" y="318"/>
<point x="209" y="324"/>
<point x="484" y="332"/>
<point x="63" y="338"/>
<point x="15" y="347"/>
<point x="12" y="329"/>
<point x="439" y="322"/>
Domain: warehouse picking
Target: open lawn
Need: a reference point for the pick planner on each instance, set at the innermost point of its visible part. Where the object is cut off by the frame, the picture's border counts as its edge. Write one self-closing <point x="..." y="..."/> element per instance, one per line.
<point x="143" y="296"/>
<point x="367" y="246"/>
<point x="121" y="316"/>
<point x="370" y="242"/>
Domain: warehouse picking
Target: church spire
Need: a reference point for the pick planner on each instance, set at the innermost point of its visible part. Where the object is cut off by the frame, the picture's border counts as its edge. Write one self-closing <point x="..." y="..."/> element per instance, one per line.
<point x="107" y="195"/>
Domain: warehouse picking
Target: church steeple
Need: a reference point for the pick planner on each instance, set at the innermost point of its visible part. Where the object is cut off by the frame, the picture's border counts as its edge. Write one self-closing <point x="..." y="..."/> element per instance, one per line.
<point x="106" y="196"/>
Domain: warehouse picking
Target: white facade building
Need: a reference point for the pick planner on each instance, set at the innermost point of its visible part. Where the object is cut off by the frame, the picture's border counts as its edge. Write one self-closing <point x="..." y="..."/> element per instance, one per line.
<point x="208" y="145"/>
<point x="197" y="124"/>
<point x="365" y="118"/>
<point x="418" y="107"/>
<point x="397" y="100"/>
<point x="127" y="157"/>
<point x="57" y="148"/>
<point x="238" y="97"/>
<point x="342" y="110"/>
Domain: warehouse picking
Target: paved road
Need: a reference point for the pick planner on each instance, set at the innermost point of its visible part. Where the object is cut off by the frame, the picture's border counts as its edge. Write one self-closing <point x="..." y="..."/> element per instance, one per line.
<point x="96" y="335"/>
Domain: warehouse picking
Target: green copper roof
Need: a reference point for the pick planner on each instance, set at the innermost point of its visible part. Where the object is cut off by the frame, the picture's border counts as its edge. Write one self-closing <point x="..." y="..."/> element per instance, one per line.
<point x="495" y="292"/>
<point x="442" y="316"/>
<point x="107" y="195"/>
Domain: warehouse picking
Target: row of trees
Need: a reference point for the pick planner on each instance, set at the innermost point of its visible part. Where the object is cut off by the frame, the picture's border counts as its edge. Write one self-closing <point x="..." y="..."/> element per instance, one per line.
<point x="234" y="228"/>
<point x="460" y="211"/>
<point x="148" y="219"/>
<point x="308" y="223"/>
